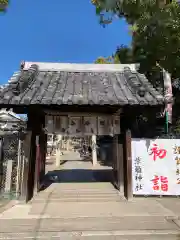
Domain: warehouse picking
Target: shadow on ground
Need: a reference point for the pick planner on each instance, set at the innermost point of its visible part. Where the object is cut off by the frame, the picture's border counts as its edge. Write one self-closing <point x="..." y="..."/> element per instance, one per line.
<point x="77" y="176"/>
<point x="107" y="163"/>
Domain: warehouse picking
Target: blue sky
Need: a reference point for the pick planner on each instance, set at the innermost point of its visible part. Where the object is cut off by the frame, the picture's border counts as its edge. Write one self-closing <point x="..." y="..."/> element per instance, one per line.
<point x="55" y="31"/>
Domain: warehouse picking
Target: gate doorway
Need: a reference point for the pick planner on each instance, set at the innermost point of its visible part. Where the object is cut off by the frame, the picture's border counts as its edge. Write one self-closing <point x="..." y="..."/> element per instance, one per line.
<point x="71" y="161"/>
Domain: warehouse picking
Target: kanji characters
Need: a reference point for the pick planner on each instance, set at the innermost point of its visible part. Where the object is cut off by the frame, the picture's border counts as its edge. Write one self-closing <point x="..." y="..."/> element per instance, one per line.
<point x="178" y="181"/>
<point x="160" y="183"/>
<point x="138" y="175"/>
<point x="177" y="150"/>
<point x="177" y="159"/>
<point x="138" y="169"/>
<point x="138" y="187"/>
<point x="137" y="160"/>
<point x="156" y="183"/>
<point x="160" y="153"/>
<point x="164" y="183"/>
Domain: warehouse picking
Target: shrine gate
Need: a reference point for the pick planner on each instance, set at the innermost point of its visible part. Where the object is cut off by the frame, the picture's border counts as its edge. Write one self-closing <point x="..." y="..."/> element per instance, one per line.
<point x="79" y="100"/>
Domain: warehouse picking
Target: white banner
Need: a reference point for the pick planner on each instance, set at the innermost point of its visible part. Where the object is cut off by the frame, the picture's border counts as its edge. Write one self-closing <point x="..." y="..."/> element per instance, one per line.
<point x="156" y="166"/>
<point x="168" y="94"/>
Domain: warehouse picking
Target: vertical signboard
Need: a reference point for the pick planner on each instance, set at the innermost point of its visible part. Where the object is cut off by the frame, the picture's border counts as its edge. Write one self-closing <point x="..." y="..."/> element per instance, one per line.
<point x="116" y="125"/>
<point x="90" y="125"/>
<point x="103" y="125"/>
<point x="75" y="126"/>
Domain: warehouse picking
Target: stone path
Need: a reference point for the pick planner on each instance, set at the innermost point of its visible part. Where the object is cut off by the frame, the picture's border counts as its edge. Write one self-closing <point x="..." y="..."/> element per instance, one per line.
<point x="90" y="210"/>
<point x="74" y="169"/>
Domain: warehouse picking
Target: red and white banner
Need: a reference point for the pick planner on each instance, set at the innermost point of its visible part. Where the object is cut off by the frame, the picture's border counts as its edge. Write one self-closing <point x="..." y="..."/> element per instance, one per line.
<point x="168" y="94"/>
<point x="156" y="166"/>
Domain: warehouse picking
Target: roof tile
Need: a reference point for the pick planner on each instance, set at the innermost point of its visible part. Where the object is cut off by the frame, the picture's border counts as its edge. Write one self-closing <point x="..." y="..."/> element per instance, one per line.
<point x="34" y="86"/>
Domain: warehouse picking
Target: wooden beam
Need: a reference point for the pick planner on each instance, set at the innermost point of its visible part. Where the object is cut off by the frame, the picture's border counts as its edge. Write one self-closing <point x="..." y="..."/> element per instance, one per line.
<point x="118" y="112"/>
<point x="128" y="164"/>
<point x="78" y="114"/>
<point x="97" y="109"/>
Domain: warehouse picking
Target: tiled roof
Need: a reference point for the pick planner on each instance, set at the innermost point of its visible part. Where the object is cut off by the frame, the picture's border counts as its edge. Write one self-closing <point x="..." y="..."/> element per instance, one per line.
<point x="83" y="85"/>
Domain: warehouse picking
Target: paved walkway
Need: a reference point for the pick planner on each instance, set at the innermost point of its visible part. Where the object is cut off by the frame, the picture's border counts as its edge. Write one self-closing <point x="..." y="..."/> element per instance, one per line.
<point x="89" y="210"/>
<point x="74" y="169"/>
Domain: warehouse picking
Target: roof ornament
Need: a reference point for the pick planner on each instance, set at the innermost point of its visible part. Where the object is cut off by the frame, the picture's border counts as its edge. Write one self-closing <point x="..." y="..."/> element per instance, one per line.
<point x="134" y="82"/>
<point x="25" y="79"/>
<point x="33" y="68"/>
<point x="142" y="91"/>
<point x="22" y="65"/>
<point x="127" y="69"/>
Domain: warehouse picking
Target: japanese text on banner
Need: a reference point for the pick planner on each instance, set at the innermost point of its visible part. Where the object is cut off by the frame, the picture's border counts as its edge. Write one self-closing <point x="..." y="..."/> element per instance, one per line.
<point x="177" y="159"/>
<point x="138" y="174"/>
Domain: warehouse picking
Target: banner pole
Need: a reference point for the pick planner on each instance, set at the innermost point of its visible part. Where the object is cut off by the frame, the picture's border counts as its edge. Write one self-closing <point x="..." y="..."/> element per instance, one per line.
<point x="166" y="123"/>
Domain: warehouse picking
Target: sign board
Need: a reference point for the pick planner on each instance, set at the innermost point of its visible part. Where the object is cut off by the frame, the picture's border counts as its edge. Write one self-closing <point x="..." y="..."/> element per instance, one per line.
<point x="75" y="126"/>
<point x="156" y="166"/>
<point x="103" y="126"/>
<point x="82" y="125"/>
<point x="90" y="125"/>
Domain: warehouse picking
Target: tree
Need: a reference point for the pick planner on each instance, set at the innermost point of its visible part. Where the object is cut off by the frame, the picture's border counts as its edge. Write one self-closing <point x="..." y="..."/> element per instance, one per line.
<point x="157" y="39"/>
<point x="155" y="27"/>
<point x="124" y="54"/>
<point x="108" y="60"/>
<point x="3" y="5"/>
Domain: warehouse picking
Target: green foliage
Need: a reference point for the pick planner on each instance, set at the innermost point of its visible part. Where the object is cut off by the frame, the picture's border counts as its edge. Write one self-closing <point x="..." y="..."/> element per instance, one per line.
<point x="177" y="126"/>
<point x="125" y="54"/>
<point x="108" y="60"/>
<point x="157" y="39"/>
<point x="155" y="28"/>
<point x="3" y="5"/>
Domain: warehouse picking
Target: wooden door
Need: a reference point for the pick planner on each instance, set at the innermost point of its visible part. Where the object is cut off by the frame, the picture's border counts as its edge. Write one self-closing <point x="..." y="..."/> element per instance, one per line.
<point x="118" y="155"/>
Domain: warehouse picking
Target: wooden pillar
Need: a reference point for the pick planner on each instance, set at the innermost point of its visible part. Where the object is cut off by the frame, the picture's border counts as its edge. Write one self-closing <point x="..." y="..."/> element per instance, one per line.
<point x="121" y="167"/>
<point x="18" y="179"/>
<point x="26" y="143"/>
<point x="118" y="162"/>
<point x="40" y="161"/>
<point x="39" y="153"/>
<point x="115" y="159"/>
<point x="94" y="150"/>
<point x="37" y="165"/>
<point x="58" y="151"/>
<point x="8" y="176"/>
<point x="43" y="143"/>
<point x="35" y="124"/>
<point x="45" y="152"/>
<point x="128" y="160"/>
<point x="1" y="162"/>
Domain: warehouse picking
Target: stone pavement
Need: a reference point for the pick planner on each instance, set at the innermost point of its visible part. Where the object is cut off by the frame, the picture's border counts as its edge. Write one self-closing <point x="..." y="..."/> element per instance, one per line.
<point x="6" y="204"/>
<point x="90" y="210"/>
